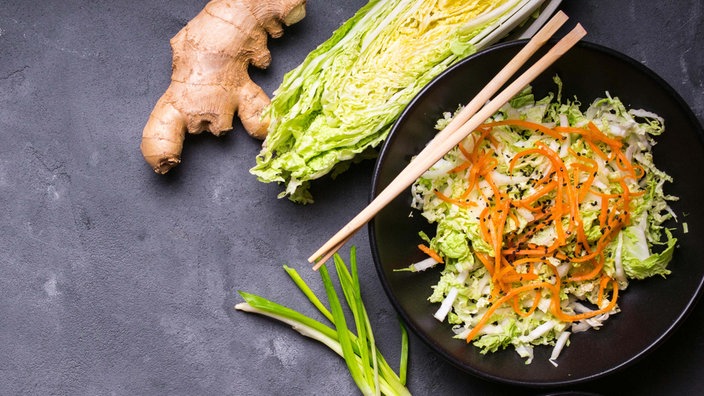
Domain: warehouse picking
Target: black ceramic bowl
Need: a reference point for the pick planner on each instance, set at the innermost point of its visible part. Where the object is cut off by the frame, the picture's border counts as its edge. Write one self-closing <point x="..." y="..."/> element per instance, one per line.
<point x="651" y="309"/>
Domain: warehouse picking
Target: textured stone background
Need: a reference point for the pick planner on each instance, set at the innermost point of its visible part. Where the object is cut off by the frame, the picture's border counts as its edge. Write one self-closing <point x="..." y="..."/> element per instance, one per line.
<point x="116" y="281"/>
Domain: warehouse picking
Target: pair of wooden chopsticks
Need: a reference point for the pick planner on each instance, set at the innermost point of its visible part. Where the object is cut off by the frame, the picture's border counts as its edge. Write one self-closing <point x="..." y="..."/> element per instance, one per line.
<point x="475" y="113"/>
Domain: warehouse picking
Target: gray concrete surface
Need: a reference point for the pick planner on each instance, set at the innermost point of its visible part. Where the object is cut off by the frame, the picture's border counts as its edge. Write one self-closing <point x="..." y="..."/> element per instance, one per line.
<point x="117" y="281"/>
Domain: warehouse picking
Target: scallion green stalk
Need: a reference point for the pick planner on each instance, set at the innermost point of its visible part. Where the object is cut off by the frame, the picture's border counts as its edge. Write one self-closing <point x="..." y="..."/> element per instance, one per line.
<point x="368" y="368"/>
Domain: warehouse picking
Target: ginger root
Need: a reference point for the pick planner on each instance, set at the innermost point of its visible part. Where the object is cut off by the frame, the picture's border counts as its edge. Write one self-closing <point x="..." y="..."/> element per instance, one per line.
<point x="210" y="80"/>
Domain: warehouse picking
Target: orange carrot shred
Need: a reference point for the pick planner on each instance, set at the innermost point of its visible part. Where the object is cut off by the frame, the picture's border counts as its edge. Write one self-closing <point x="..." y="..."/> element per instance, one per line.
<point x="430" y="252"/>
<point x="458" y="202"/>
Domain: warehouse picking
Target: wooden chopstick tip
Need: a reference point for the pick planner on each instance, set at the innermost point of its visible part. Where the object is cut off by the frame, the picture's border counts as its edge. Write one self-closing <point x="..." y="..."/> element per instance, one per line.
<point x="579" y="30"/>
<point x="559" y="18"/>
<point x="321" y="261"/>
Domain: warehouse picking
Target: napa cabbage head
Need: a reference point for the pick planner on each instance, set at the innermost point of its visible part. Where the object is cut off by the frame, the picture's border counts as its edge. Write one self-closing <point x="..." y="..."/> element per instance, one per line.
<point x="341" y="101"/>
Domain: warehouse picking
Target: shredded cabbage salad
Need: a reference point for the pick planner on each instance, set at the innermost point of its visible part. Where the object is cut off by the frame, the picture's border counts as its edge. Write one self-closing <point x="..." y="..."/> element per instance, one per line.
<point x="544" y="214"/>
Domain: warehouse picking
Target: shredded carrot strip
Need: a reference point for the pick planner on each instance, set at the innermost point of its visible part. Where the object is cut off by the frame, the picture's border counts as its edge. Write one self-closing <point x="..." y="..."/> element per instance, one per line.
<point x="486" y="261"/>
<point x="513" y="277"/>
<point x="525" y="314"/>
<point x="591" y="133"/>
<point x="625" y="165"/>
<point x="583" y="187"/>
<point x="494" y="142"/>
<point x="481" y="166"/>
<point x="586" y="315"/>
<point x="512" y="215"/>
<point x="460" y="167"/>
<point x="604" y="211"/>
<point x="528" y="260"/>
<point x="500" y="215"/>
<point x="538" y="194"/>
<point x="598" y="266"/>
<point x="484" y="224"/>
<point x="527" y="125"/>
<point x="430" y="252"/>
<point x="639" y="171"/>
<point x="535" y="150"/>
<point x="458" y="202"/>
<point x="467" y="154"/>
<point x="597" y="150"/>
<point x="597" y="133"/>
<point x="557" y="214"/>
<point x="602" y="287"/>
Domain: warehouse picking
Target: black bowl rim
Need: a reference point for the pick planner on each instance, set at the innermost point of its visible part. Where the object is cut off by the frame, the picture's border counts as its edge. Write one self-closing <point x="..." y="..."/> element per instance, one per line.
<point x="374" y="247"/>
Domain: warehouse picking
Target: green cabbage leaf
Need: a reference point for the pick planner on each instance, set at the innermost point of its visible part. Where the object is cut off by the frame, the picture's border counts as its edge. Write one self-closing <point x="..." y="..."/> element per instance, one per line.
<point x="341" y="101"/>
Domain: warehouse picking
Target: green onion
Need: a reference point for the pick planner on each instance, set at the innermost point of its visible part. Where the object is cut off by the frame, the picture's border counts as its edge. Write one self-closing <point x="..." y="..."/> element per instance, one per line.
<point x="367" y="366"/>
